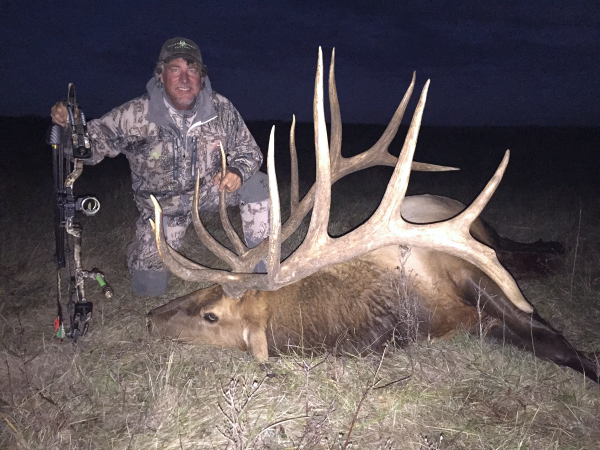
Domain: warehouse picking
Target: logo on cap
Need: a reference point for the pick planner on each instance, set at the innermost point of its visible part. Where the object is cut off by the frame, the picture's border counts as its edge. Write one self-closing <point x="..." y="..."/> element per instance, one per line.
<point x="182" y="45"/>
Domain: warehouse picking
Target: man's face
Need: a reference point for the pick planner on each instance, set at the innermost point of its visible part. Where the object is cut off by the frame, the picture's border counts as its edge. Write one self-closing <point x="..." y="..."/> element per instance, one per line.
<point x="182" y="83"/>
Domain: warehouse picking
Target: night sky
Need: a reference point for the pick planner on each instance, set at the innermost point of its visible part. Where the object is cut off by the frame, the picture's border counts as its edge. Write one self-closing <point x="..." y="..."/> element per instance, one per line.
<point x="490" y="63"/>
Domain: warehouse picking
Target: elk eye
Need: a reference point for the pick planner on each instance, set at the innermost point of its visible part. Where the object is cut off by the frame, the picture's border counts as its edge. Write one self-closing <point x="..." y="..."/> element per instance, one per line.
<point x="210" y="317"/>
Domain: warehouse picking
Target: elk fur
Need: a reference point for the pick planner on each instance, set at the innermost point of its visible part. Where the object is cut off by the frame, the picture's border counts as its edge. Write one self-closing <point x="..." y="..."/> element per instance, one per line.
<point x="394" y="294"/>
<point x="421" y="266"/>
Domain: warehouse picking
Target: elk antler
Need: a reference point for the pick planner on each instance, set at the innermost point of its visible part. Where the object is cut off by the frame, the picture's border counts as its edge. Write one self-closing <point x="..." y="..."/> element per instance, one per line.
<point x="244" y="260"/>
<point x="386" y="226"/>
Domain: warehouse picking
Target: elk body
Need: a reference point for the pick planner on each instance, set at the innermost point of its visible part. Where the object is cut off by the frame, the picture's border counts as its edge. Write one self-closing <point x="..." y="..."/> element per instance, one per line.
<point x="421" y="266"/>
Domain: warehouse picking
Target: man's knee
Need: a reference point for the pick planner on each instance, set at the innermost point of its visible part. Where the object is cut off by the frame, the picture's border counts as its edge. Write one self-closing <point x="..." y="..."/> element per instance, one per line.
<point x="255" y="189"/>
<point x="256" y="221"/>
<point x="149" y="275"/>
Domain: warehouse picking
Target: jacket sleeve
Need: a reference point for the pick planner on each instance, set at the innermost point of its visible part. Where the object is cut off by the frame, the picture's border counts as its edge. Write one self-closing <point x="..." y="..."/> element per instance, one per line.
<point x="243" y="152"/>
<point x="109" y="134"/>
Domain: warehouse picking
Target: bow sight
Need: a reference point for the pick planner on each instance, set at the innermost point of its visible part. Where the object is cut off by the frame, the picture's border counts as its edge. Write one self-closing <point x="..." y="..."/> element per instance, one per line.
<point x="70" y="147"/>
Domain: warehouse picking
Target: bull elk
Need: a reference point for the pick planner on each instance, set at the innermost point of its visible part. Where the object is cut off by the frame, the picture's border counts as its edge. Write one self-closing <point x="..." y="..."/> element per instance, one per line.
<point x="419" y="266"/>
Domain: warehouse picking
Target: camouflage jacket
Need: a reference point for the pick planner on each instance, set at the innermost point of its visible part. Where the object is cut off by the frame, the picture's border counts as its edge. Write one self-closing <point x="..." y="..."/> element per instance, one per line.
<point x="165" y="157"/>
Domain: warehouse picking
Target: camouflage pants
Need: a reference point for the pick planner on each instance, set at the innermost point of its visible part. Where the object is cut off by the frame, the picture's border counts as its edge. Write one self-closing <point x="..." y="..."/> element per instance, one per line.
<point x="253" y="200"/>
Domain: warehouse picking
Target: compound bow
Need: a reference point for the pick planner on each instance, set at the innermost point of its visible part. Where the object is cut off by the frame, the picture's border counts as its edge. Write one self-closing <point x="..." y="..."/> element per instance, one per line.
<point x="70" y="148"/>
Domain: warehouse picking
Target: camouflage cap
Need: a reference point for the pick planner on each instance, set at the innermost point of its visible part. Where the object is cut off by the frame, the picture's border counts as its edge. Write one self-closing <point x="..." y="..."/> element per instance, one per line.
<point x="179" y="47"/>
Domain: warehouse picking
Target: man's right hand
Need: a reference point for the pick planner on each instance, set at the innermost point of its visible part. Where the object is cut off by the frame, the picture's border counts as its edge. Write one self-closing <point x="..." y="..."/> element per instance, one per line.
<point x="59" y="114"/>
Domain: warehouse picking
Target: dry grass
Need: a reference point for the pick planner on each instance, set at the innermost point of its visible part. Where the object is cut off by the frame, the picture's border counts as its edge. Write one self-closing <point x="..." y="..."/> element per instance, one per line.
<point x="120" y="388"/>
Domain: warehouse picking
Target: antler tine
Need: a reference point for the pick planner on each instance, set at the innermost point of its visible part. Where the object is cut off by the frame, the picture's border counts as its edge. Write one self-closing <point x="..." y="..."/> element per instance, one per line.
<point x="206" y="238"/>
<point x="234" y="284"/>
<point x="274" y="255"/>
<point x="396" y="190"/>
<point x="317" y="230"/>
<point x="317" y="236"/>
<point x="235" y="240"/>
<point x="471" y="213"/>
<point x="297" y="209"/>
<point x="378" y="154"/>
<point x="300" y="209"/>
<point x="388" y="135"/>
<point x="478" y="254"/>
<point x="294" y="194"/>
<point x="335" y="144"/>
<point x="451" y="235"/>
<point x="175" y="262"/>
<point x="246" y="259"/>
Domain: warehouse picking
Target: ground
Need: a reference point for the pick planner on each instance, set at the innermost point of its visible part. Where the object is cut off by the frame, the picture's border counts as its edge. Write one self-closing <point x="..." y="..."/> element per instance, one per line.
<point x="121" y="388"/>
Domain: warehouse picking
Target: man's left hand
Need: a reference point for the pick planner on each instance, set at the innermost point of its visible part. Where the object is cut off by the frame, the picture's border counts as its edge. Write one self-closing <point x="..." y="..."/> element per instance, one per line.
<point x="231" y="182"/>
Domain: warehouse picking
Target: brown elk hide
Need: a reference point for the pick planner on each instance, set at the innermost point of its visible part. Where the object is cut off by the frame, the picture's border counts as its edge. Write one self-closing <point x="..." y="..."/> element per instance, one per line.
<point x="419" y="266"/>
<point x="354" y="306"/>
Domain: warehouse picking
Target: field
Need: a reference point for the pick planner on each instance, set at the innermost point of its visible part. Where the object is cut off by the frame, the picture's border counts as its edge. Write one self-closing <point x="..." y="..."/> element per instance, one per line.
<point x="121" y="388"/>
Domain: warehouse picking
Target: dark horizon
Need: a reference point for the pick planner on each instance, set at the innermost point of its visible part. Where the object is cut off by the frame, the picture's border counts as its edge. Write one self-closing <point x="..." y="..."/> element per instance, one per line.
<point x="539" y="155"/>
<point x="490" y="65"/>
<point x="405" y="122"/>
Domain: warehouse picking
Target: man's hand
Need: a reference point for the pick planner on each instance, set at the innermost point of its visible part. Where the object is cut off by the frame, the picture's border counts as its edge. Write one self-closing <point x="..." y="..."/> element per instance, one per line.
<point x="59" y="114"/>
<point x="230" y="183"/>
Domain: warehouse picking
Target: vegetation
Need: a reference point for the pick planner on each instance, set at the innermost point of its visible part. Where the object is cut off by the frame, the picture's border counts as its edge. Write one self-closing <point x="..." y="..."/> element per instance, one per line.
<point x="121" y="388"/>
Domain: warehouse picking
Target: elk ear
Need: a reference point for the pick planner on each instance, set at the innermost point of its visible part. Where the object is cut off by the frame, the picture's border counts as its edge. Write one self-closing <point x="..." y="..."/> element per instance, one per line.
<point x="255" y="337"/>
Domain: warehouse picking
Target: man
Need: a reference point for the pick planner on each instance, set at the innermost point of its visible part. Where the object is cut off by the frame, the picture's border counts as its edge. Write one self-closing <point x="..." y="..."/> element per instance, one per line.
<point x="171" y="135"/>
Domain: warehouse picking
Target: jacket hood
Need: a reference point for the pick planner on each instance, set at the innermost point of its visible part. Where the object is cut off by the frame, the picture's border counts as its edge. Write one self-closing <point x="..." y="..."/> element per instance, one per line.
<point x="159" y="114"/>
